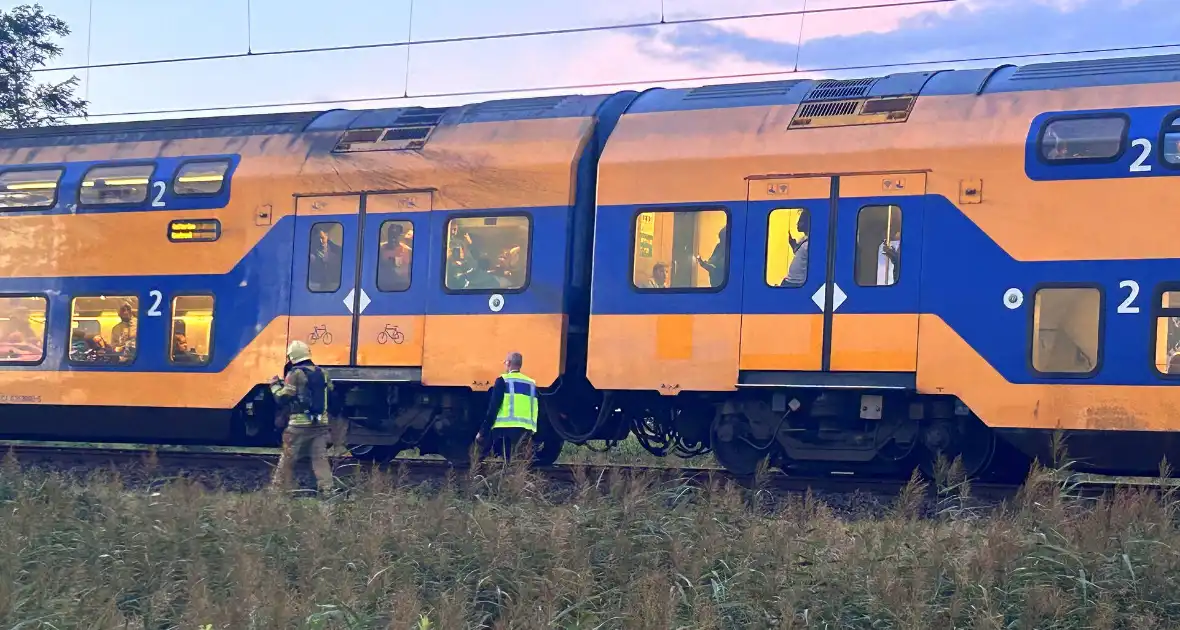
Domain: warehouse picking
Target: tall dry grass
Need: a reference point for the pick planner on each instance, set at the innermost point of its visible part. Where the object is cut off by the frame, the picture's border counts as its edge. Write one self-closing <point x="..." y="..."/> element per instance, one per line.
<point x="501" y="550"/>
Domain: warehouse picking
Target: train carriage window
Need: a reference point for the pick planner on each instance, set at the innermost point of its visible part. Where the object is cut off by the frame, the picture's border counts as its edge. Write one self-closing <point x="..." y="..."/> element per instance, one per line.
<point x="191" y="339"/>
<point x="29" y="189"/>
<point x="116" y="185"/>
<point x="787" y="245"/>
<point x="104" y="329"/>
<point x="395" y="251"/>
<point x="200" y="178"/>
<point x="1167" y="333"/>
<point x="1171" y="146"/>
<point x="1083" y="139"/>
<point x="325" y="257"/>
<point x="878" y="246"/>
<point x="22" y="329"/>
<point x="681" y="249"/>
<point x="1065" y="335"/>
<point x="488" y="253"/>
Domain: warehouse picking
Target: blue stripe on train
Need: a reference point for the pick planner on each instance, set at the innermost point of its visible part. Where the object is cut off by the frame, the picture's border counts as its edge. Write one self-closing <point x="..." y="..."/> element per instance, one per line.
<point x="963" y="278"/>
<point x="258" y="289"/>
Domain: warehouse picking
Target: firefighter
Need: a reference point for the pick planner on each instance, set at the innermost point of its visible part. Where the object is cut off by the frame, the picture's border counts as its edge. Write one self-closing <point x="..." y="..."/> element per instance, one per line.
<point x="304" y="391"/>
<point x="512" y="409"/>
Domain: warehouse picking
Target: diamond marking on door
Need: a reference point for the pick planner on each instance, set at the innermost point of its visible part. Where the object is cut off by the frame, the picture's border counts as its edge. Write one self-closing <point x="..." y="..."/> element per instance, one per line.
<point x="818" y="296"/>
<point x="348" y="299"/>
<point x="838" y="296"/>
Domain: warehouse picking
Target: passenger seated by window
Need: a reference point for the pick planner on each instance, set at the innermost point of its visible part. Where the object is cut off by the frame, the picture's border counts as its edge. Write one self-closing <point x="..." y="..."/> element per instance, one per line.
<point x="797" y="272"/>
<point x="19" y="327"/>
<point x="715" y="265"/>
<point x="16" y="347"/>
<point x="86" y="348"/>
<point x="181" y="353"/>
<point x="482" y="277"/>
<point x="457" y="269"/>
<point x="659" y="276"/>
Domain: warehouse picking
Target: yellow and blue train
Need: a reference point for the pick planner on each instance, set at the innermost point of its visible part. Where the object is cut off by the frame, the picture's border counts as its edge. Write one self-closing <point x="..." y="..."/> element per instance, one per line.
<point x="849" y="275"/>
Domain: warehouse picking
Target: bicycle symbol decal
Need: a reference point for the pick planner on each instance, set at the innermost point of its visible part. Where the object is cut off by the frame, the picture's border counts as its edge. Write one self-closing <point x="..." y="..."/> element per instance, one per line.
<point x="391" y="333"/>
<point x="320" y="333"/>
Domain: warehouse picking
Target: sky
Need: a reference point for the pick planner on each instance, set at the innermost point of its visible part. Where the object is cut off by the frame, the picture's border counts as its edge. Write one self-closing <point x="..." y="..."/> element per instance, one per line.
<point x="139" y="59"/>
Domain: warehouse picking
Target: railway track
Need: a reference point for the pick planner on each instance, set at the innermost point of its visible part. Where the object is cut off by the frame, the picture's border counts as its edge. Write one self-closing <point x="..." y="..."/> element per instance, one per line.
<point x="249" y="468"/>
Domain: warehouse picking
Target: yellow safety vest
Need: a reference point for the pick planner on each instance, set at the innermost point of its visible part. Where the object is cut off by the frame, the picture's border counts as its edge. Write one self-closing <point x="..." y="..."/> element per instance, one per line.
<point x="518" y="410"/>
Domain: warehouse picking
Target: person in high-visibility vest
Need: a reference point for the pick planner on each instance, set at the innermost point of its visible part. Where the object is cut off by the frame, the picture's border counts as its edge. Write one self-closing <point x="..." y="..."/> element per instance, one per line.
<point x="512" y="410"/>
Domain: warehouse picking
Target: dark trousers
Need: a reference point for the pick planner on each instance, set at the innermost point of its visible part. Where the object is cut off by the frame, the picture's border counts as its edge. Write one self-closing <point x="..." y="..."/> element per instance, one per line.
<point x="503" y="442"/>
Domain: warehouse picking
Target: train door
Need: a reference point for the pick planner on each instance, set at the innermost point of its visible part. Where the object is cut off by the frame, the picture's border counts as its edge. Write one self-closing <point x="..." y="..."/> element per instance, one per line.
<point x="391" y="307"/>
<point x="782" y="299"/>
<point x="323" y="275"/>
<point x="825" y="300"/>
<point x="359" y="278"/>
<point x="875" y="277"/>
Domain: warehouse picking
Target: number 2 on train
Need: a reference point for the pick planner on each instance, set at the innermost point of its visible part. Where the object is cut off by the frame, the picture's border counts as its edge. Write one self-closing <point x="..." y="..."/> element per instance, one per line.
<point x="1138" y="165"/>
<point x="160" y="187"/>
<point x="1126" y="306"/>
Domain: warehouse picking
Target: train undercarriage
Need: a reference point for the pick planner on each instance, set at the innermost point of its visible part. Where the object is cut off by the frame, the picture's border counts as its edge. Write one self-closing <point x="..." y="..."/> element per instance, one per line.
<point x="809" y="431"/>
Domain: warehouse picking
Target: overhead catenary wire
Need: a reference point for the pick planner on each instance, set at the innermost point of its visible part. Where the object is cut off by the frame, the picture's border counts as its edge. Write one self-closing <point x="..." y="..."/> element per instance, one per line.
<point x="868" y="4"/>
<point x="623" y="84"/>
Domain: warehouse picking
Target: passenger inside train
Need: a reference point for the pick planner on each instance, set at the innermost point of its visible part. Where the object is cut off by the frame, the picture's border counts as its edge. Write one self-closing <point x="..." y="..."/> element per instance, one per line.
<point x="474" y="242"/>
<point x="396" y="254"/>
<point x="21" y="333"/>
<point x="665" y="245"/>
<point x="323" y="271"/>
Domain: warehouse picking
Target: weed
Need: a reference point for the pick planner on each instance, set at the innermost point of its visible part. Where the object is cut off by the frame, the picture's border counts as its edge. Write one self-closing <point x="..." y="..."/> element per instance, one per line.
<point x="493" y="549"/>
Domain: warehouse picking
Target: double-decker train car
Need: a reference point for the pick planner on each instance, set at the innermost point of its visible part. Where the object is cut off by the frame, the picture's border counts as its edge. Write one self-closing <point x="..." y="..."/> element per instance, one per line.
<point x="834" y="275"/>
<point x="152" y="274"/>
<point x="861" y="274"/>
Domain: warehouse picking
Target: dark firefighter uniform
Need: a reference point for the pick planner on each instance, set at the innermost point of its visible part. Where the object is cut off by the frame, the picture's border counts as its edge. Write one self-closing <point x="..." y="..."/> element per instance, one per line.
<point x="304" y="392"/>
<point x="512" y="413"/>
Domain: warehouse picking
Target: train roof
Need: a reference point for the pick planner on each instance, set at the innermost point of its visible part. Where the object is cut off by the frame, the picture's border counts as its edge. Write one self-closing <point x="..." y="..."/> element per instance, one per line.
<point x="334" y="120"/>
<point x="1006" y="78"/>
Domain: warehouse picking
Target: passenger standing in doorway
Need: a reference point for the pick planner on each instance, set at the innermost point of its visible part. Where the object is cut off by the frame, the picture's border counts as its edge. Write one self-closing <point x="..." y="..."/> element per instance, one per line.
<point x="797" y="272"/>
<point x="715" y="266"/>
<point x="305" y="390"/>
<point x="512" y="410"/>
<point x="889" y="259"/>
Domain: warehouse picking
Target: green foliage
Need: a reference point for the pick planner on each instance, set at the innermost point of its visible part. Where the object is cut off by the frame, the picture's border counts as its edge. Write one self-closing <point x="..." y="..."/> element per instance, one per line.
<point x="617" y="551"/>
<point x="27" y="43"/>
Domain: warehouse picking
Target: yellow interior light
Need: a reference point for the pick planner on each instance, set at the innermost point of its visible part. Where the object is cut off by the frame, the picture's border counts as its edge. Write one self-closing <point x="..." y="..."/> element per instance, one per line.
<point x="188" y="179"/>
<point x="32" y="186"/>
<point x="122" y="181"/>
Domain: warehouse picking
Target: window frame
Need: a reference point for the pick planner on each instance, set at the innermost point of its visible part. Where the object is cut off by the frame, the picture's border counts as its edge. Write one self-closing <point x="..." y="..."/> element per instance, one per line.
<point x="229" y="164"/>
<point x="528" y="263"/>
<point x="1158" y="311"/>
<point x="131" y="204"/>
<point x="172" y="320"/>
<point x="1032" y="332"/>
<point x="856" y="250"/>
<point x="113" y="295"/>
<point x="766" y="252"/>
<point x="634" y="232"/>
<point x="377" y="273"/>
<point x="1171" y="124"/>
<point x="44" y="333"/>
<point x="61" y="173"/>
<point x="1123" y="139"/>
<point x="307" y="266"/>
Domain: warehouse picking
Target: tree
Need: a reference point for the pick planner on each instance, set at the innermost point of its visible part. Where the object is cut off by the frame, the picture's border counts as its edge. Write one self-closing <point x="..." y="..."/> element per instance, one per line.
<point x="26" y="44"/>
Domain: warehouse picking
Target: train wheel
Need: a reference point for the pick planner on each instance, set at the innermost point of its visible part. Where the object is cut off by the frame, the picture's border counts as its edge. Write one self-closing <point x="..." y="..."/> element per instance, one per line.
<point x="729" y="437"/>
<point x="968" y="439"/>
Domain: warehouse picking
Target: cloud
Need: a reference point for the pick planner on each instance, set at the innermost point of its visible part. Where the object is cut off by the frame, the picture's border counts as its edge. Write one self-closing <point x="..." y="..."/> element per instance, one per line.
<point x="971" y="29"/>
